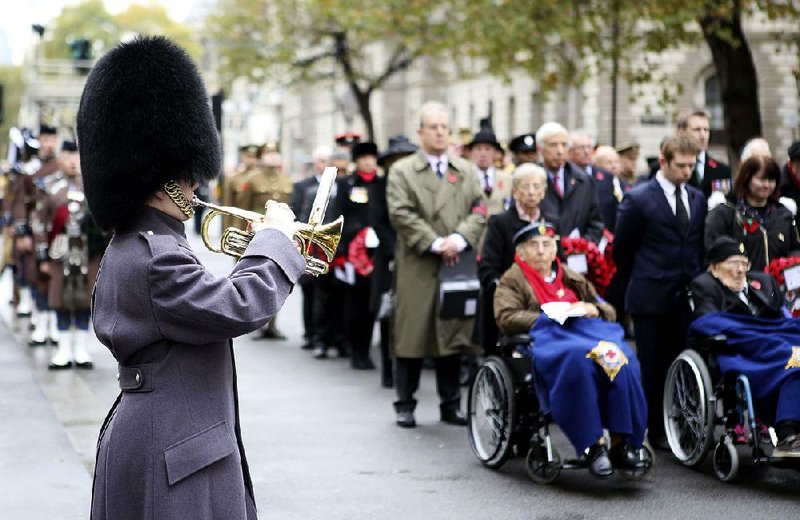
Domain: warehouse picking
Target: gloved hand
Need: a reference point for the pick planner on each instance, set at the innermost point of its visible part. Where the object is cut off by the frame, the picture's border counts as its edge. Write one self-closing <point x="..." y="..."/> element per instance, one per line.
<point x="278" y="216"/>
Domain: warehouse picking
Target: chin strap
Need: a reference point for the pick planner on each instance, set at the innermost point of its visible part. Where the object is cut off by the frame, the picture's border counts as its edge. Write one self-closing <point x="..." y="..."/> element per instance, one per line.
<point x="175" y="193"/>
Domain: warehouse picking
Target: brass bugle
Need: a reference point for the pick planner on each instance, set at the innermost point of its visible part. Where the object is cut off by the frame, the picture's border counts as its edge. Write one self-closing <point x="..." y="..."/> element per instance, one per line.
<point x="234" y="241"/>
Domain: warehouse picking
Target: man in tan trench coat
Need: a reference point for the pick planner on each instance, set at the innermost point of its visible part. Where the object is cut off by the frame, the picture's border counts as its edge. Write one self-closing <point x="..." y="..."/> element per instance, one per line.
<point x="436" y="207"/>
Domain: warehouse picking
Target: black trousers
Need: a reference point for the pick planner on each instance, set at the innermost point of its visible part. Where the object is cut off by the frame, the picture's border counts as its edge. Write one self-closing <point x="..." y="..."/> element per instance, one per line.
<point x="407" y="372"/>
<point x="360" y="320"/>
<point x="659" y="340"/>
<point x="307" y="288"/>
<point x="329" y="318"/>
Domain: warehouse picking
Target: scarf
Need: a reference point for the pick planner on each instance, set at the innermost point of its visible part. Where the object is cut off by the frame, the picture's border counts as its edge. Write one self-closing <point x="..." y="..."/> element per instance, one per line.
<point x="753" y="217"/>
<point x="547" y="292"/>
<point x="367" y="176"/>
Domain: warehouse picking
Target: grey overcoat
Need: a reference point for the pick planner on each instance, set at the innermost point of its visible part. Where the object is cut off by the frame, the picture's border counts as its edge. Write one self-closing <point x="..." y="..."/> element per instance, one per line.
<point x="423" y="207"/>
<point x="171" y="446"/>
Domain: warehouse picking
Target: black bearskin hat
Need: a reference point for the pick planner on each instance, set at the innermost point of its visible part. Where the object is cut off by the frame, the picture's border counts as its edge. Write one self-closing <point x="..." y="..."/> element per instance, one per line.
<point x="144" y="119"/>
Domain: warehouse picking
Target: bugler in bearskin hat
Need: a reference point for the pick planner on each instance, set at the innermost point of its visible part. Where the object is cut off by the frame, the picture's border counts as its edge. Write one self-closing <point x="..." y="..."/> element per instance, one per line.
<point x="144" y="120"/>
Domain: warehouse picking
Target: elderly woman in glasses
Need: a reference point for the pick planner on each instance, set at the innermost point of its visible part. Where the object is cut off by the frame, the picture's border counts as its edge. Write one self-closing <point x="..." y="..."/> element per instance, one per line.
<point x="587" y="376"/>
<point x="729" y="299"/>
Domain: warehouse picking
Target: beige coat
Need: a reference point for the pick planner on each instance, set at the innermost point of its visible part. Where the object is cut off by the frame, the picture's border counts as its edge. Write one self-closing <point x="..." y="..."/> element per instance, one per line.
<point x="516" y="307"/>
<point x="423" y="207"/>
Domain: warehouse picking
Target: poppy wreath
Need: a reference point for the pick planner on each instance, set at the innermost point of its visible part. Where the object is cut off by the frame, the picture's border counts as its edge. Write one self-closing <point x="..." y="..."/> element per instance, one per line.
<point x="778" y="265"/>
<point x="357" y="254"/>
<point x="600" y="272"/>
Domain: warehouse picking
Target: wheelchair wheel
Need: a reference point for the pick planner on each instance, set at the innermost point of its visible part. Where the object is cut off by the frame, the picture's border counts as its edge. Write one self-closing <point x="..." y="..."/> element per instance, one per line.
<point x="726" y="460"/>
<point x="689" y="411"/>
<point x="541" y="468"/>
<point x="649" y="456"/>
<point x="491" y="413"/>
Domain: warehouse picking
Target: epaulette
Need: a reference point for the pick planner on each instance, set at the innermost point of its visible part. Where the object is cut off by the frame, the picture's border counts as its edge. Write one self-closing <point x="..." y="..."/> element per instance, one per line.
<point x="159" y="243"/>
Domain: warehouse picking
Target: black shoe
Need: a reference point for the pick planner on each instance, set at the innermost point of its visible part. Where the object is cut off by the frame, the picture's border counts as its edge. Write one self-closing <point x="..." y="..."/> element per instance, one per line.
<point x="387" y="379"/>
<point x="455" y="417"/>
<point x="86" y="365"/>
<point x="405" y="419"/>
<point x="320" y="352"/>
<point x="787" y="447"/>
<point x="598" y="462"/>
<point x="272" y="334"/>
<point x="54" y="366"/>
<point x="362" y="363"/>
<point x="624" y="456"/>
<point x="306" y="346"/>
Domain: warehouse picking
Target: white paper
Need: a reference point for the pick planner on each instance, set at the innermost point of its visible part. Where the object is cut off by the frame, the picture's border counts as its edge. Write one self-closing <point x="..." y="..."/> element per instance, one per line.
<point x="346" y="274"/>
<point x="469" y="307"/>
<point x="371" y="240"/>
<point x="560" y="311"/>
<point x="578" y="263"/>
<point x="792" y="276"/>
<point x="602" y="245"/>
<point x="575" y="233"/>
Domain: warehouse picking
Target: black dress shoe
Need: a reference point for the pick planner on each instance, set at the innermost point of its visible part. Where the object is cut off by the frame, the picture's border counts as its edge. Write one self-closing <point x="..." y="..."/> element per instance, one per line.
<point x="55" y="366"/>
<point x="320" y="352"/>
<point x="306" y="346"/>
<point x="272" y="334"/>
<point x="455" y="417"/>
<point x="405" y="419"/>
<point x="86" y="365"/>
<point x="362" y="363"/>
<point x="625" y="456"/>
<point x="387" y="379"/>
<point x="599" y="463"/>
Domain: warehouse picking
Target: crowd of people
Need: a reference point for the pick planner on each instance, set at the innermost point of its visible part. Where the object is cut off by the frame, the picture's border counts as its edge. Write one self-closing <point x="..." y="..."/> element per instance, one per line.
<point x="633" y="241"/>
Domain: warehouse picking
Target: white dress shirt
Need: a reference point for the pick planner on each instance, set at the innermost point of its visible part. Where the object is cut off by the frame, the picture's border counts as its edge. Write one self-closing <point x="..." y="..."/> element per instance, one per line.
<point x="669" y="191"/>
<point x="701" y="164"/>
<point x="434" y="161"/>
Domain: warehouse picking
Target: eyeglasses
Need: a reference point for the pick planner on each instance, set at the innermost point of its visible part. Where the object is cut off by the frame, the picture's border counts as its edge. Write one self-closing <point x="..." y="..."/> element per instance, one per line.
<point x="733" y="264"/>
<point x="440" y="126"/>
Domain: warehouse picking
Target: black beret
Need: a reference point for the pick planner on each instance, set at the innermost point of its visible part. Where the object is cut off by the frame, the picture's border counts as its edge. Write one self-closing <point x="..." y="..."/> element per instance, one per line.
<point x="535" y="229"/>
<point x="523" y="143"/>
<point x="723" y="248"/>
<point x="794" y="151"/>
<point x="47" y="129"/>
<point x="144" y="119"/>
<point x="365" y="148"/>
<point x="69" y="146"/>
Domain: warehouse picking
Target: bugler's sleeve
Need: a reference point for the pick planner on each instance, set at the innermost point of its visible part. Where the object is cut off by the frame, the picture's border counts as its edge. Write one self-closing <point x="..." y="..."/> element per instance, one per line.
<point x="193" y="306"/>
<point x="404" y="213"/>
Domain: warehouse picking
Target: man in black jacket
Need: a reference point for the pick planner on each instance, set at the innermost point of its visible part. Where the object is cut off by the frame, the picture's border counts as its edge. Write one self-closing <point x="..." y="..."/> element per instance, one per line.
<point x="570" y="198"/>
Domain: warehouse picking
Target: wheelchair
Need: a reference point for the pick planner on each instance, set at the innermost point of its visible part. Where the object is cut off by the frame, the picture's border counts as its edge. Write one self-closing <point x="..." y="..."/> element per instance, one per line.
<point x="698" y="398"/>
<point x="505" y="419"/>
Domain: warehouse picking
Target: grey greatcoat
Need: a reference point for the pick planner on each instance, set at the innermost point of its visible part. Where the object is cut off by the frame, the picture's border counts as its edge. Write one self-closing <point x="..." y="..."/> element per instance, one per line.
<point x="423" y="207"/>
<point x="171" y="446"/>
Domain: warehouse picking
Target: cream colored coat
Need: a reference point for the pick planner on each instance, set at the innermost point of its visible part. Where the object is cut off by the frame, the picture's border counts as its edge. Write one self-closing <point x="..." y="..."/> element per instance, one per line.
<point x="423" y="207"/>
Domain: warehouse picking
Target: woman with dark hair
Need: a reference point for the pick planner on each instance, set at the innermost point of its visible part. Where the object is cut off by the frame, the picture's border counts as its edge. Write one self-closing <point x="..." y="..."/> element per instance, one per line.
<point x="752" y="215"/>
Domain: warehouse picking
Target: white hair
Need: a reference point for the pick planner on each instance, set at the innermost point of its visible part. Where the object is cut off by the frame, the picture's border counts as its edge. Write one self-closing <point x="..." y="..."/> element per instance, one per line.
<point x="526" y="170"/>
<point x="578" y="133"/>
<point x="548" y="130"/>
<point x="755" y="146"/>
<point x="429" y="108"/>
<point x="322" y="152"/>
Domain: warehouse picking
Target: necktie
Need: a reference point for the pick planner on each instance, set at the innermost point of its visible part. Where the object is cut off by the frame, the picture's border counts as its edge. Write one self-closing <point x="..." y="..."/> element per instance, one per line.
<point x="681" y="215"/>
<point x="487" y="185"/>
<point x="439" y="169"/>
<point x="556" y="185"/>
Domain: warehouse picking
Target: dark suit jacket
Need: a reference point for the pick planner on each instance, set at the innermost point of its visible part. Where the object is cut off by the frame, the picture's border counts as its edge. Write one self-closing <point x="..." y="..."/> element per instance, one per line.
<point x="647" y="244"/>
<point x="606" y="200"/>
<point x="303" y="193"/>
<point x="579" y="207"/>
<point x="709" y="295"/>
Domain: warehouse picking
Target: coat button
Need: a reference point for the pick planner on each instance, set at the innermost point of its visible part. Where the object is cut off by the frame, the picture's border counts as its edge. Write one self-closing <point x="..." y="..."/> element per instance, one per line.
<point x="137" y="378"/>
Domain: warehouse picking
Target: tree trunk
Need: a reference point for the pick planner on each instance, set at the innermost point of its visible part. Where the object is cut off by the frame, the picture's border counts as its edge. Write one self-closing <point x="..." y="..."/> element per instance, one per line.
<point x="362" y="98"/>
<point x="737" y="79"/>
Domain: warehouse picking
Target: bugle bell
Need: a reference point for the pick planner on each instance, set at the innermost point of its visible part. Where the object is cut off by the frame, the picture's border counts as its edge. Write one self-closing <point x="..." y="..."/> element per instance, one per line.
<point x="326" y="237"/>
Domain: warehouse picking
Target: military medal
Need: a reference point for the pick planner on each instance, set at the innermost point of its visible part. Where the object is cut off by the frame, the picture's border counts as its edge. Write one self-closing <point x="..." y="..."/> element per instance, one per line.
<point x="560" y="293"/>
<point x="780" y="237"/>
<point x="359" y="195"/>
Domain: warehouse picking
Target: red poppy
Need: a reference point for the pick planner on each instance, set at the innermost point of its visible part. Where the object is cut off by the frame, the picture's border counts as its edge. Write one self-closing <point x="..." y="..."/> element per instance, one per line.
<point x="599" y="176"/>
<point x="750" y="225"/>
<point x="451" y="178"/>
<point x="712" y="163"/>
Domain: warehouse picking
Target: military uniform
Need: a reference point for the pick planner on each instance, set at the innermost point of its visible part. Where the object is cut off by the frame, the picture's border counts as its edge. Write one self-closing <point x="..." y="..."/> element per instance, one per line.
<point x="171" y="446"/>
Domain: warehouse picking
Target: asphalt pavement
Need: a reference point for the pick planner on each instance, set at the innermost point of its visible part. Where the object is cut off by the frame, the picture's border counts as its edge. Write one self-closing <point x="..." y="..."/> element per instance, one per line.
<point x="322" y="443"/>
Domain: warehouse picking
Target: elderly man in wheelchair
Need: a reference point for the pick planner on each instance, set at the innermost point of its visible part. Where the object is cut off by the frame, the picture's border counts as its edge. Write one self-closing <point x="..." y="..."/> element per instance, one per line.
<point x="744" y="338"/>
<point x="585" y="376"/>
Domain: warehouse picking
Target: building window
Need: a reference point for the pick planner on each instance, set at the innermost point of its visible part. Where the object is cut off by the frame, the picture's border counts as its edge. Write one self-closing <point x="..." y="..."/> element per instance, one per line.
<point x="512" y="113"/>
<point x="713" y="97"/>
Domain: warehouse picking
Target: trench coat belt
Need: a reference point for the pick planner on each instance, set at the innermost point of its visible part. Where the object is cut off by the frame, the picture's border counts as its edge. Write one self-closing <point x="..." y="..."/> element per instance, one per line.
<point x="135" y="378"/>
